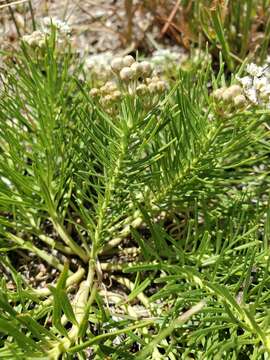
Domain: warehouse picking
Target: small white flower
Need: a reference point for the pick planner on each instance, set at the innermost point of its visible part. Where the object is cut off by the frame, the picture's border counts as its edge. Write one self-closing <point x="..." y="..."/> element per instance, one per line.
<point x="265" y="92"/>
<point x="246" y="81"/>
<point x="252" y="95"/>
<point x="265" y="89"/>
<point x="37" y="38"/>
<point x="255" y="70"/>
<point x="235" y="90"/>
<point x="161" y="86"/>
<point x="60" y="25"/>
<point x="259" y="83"/>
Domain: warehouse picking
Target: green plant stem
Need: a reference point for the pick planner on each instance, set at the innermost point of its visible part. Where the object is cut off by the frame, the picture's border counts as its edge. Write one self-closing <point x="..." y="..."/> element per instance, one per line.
<point x="55" y="244"/>
<point x="134" y="221"/>
<point x="109" y="193"/>
<point x="50" y="259"/>
<point x="246" y="30"/>
<point x="81" y="305"/>
<point x="68" y="240"/>
<point x="130" y="285"/>
<point x="168" y="330"/>
<point x="161" y="196"/>
<point x="98" y="338"/>
<point x="221" y="37"/>
<point x="71" y="280"/>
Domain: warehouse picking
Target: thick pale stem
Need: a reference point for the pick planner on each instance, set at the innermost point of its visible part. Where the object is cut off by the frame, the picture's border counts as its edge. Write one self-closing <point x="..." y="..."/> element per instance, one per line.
<point x="50" y="259"/>
<point x="69" y="241"/>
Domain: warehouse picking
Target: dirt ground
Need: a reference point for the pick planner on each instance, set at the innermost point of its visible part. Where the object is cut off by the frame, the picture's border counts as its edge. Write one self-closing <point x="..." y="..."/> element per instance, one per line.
<point x="98" y="26"/>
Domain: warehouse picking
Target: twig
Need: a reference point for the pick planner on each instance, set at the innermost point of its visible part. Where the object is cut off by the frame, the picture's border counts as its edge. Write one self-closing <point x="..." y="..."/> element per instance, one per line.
<point x="12" y="3"/>
<point x="32" y="14"/>
<point x="12" y="16"/>
<point x="170" y="18"/>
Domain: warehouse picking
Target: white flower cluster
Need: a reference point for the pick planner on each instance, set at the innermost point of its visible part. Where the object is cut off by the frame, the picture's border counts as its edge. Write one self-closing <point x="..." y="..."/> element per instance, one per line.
<point x="167" y="58"/>
<point x="256" y="85"/>
<point x="38" y="37"/>
<point x="232" y="95"/>
<point x="108" y="93"/>
<point x="137" y="75"/>
<point x="61" y="26"/>
<point x="99" y="65"/>
<point x="129" y="77"/>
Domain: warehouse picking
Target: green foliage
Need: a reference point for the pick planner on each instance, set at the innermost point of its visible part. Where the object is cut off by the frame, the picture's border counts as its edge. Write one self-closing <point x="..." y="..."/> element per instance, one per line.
<point x="232" y="26"/>
<point x="185" y="183"/>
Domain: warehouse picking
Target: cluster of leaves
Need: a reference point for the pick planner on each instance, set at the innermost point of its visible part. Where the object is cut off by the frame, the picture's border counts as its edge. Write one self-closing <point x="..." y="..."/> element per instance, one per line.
<point x="184" y="185"/>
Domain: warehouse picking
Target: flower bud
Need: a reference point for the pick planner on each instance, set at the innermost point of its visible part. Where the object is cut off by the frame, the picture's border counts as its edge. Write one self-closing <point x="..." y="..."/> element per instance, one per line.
<point x="160" y="86"/>
<point x="227" y="95"/>
<point x="116" y="95"/>
<point x="239" y="100"/>
<point x="94" y="92"/>
<point x="137" y="69"/>
<point x="128" y="60"/>
<point x="146" y="68"/>
<point x="106" y="100"/>
<point x="235" y="90"/>
<point x="127" y="74"/>
<point x="108" y="87"/>
<point x="152" y="87"/>
<point x="141" y="89"/>
<point x="217" y="94"/>
<point x="117" y="64"/>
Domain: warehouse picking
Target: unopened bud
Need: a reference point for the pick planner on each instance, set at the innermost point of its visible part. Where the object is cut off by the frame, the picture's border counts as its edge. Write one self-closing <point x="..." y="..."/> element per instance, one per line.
<point x="146" y="68"/>
<point x="94" y="92"/>
<point x="128" y="60"/>
<point x="239" y="100"/>
<point x="141" y="89"/>
<point x="126" y="74"/>
<point x="117" y="64"/>
<point x="217" y="94"/>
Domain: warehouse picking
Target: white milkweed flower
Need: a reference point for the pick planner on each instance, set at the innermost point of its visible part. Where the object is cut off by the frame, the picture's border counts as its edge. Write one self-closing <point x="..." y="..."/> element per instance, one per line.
<point x="252" y="95"/>
<point x="255" y="70"/>
<point x="265" y="92"/>
<point x="161" y="86"/>
<point x="37" y="38"/>
<point x="152" y="87"/>
<point x="245" y="81"/>
<point x="61" y="26"/>
<point x="260" y="83"/>
<point x="235" y="90"/>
